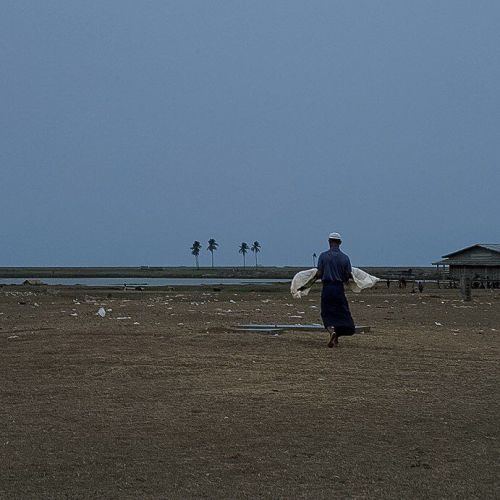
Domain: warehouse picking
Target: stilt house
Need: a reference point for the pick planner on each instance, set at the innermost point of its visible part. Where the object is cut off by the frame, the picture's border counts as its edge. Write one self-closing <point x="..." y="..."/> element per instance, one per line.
<point x="480" y="263"/>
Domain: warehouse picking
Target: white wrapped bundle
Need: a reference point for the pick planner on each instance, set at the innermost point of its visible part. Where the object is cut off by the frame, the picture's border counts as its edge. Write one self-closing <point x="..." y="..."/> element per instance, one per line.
<point x="361" y="281"/>
<point x="301" y="279"/>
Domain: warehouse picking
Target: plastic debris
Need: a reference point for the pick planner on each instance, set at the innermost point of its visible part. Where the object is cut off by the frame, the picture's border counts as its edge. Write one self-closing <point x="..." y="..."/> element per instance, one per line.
<point x="101" y="312"/>
<point x="437" y="323"/>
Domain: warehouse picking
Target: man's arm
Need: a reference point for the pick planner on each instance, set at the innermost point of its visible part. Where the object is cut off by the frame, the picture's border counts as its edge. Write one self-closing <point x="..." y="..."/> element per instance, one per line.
<point x="321" y="266"/>
<point x="311" y="282"/>
<point x="316" y="277"/>
<point x="348" y="272"/>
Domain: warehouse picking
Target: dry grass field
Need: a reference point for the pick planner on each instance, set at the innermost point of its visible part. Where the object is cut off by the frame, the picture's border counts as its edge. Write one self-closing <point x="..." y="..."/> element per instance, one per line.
<point x="162" y="399"/>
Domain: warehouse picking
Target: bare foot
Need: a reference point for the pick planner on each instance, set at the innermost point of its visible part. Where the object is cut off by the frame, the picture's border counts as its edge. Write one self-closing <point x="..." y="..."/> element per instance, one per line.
<point x="334" y="341"/>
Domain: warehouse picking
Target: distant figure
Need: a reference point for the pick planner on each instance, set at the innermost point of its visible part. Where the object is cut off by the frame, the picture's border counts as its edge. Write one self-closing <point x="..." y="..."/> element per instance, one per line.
<point x="388" y="282"/>
<point x="420" y="287"/>
<point x="334" y="269"/>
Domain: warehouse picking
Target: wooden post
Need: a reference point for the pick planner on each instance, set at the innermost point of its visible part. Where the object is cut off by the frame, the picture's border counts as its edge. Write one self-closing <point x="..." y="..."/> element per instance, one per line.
<point x="465" y="288"/>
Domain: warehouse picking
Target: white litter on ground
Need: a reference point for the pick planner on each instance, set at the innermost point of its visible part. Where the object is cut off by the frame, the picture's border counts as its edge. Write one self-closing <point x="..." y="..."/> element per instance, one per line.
<point x="101" y="312"/>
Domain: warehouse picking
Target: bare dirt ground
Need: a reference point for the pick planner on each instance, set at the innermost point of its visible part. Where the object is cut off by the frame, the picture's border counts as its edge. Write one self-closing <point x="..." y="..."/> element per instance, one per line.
<point x="161" y="399"/>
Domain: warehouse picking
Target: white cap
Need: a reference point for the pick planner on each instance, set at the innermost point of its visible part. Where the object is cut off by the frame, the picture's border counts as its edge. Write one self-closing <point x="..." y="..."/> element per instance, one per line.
<point x="334" y="236"/>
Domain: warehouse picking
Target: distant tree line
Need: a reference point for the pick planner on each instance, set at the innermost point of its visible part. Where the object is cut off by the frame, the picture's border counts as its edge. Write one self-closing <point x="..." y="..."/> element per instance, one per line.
<point x="243" y="249"/>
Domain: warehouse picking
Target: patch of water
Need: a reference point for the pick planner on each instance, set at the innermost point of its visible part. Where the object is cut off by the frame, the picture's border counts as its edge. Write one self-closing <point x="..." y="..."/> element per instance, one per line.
<point x="133" y="282"/>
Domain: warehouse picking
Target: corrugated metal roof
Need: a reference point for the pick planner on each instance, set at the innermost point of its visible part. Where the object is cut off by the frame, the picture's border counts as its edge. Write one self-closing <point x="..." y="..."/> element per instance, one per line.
<point x="494" y="247"/>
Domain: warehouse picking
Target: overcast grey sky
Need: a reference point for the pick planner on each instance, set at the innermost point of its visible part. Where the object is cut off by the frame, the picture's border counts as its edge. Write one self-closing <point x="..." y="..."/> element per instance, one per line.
<point x="131" y="128"/>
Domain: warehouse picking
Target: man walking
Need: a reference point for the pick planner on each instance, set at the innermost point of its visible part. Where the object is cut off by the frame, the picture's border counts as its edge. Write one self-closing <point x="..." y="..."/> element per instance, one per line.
<point x="334" y="269"/>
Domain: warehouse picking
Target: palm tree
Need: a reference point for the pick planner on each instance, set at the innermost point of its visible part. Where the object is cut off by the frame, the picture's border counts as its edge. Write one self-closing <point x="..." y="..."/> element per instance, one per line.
<point x="212" y="245"/>
<point x="243" y="250"/>
<point x="314" y="259"/>
<point x="195" y="250"/>
<point x="255" y="249"/>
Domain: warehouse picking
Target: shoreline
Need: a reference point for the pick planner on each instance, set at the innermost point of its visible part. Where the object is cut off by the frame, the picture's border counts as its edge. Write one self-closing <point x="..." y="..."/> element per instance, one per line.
<point x="383" y="272"/>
